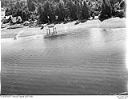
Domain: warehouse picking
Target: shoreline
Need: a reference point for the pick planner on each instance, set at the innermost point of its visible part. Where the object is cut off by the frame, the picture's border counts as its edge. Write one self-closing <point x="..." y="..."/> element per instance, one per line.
<point x="64" y="28"/>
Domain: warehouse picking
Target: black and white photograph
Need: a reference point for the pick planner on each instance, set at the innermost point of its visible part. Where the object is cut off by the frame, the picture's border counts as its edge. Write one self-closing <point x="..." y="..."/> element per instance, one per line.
<point x="64" y="47"/>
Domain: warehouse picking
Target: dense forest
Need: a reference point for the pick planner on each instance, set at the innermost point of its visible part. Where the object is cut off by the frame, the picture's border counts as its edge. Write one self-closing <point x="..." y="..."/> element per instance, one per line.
<point x="54" y="11"/>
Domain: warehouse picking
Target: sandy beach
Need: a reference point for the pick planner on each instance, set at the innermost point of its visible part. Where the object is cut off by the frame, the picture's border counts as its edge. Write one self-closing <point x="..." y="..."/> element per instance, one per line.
<point x="90" y="59"/>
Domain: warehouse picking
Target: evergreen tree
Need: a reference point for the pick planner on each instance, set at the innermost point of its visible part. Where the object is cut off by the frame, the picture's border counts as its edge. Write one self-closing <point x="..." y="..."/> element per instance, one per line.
<point x="106" y="11"/>
<point x="72" y="10"/>
<point x="31" y="6"/>
<point x="85" y="12"/>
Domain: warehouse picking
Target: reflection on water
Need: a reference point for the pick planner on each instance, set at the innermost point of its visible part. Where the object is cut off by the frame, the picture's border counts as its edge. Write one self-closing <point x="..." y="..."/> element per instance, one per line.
<point x="126" y="55"/>
<point x="126" y="59"/>
<point x="97" y="37"/>
<point x="83" y="62"/>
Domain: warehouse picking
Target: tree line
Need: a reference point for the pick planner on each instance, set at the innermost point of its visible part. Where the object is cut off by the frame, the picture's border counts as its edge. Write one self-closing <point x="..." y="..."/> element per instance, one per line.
<point x="55" y="11"/>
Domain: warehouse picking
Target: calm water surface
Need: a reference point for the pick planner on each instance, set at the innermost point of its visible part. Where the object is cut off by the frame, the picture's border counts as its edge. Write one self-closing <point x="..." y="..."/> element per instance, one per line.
<point x="83" y="62"/>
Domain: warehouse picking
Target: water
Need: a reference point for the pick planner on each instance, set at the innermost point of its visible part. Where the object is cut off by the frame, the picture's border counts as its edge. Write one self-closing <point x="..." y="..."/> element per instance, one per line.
<point x="88" y="61"/>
